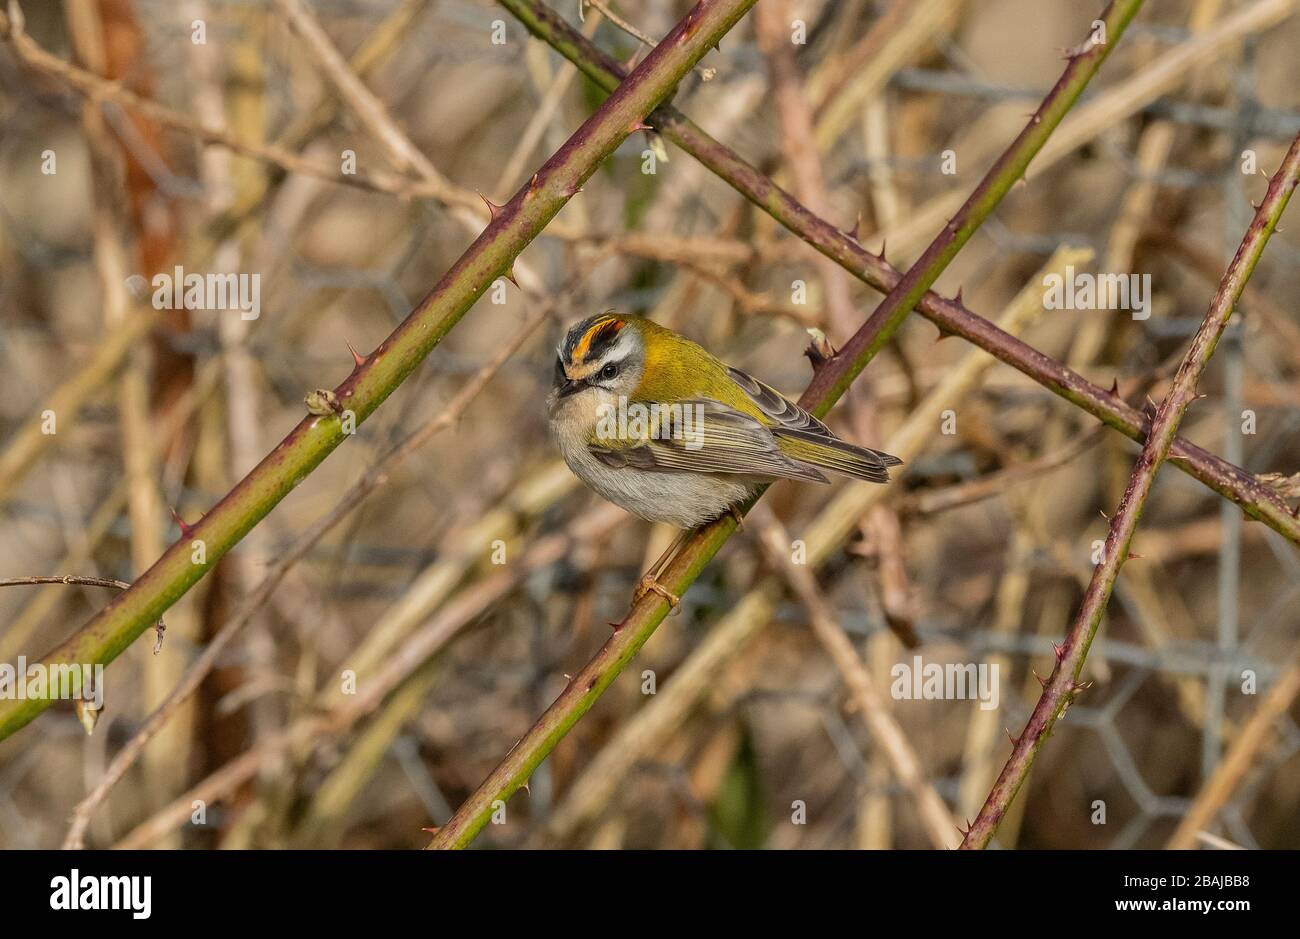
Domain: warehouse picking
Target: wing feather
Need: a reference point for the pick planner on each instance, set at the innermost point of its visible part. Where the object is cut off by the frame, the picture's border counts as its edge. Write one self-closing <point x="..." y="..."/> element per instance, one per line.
<point x="805" y="438"/>
<point x="715" y="438"/>
<point x="776" y="405"/>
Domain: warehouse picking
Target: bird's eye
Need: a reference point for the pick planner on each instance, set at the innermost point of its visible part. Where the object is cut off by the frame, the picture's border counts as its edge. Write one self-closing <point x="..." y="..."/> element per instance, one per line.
<point x="609" y="371"/>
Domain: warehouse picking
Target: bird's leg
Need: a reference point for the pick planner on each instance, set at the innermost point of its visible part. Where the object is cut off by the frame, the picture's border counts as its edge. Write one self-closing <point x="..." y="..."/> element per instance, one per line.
<point x="650" y="582"/>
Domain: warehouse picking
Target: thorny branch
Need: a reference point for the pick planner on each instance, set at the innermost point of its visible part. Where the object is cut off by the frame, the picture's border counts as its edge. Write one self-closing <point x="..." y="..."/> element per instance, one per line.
<point x="377" y="375"/>
<point x="828" y="384"/>
<point x="1065" y="682"/>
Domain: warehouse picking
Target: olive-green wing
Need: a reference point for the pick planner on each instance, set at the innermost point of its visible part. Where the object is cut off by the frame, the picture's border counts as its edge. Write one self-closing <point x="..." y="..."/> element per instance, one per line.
<point x="782" y="411"/>
<point x="806" y="439"/>
<point x="711" y="438"/>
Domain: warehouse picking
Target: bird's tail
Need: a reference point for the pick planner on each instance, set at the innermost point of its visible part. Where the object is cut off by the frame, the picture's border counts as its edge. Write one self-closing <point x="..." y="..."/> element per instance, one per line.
<point x="838" y="456"/>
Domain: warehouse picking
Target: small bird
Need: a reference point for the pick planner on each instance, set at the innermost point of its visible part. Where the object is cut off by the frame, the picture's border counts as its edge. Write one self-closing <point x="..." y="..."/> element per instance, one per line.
<point x="659" y="426"/>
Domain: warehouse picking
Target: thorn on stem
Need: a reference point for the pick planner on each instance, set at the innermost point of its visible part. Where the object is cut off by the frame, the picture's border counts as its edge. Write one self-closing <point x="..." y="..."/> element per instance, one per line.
<point x="854" y="232"/>
<point x="493" y="209"/>
<point x="1059" y="652"/>
<point x="186" y="530"/>
<point x="358" y="359"/>
<point x="1041" y="680"/>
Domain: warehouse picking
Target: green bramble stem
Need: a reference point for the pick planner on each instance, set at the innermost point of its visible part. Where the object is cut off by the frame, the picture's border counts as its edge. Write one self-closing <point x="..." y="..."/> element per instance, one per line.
<point x="512" y="227"/>
<point x="829" y="383"/>
<point x="1063" y="685"/>
<point x="1256" y="499"/>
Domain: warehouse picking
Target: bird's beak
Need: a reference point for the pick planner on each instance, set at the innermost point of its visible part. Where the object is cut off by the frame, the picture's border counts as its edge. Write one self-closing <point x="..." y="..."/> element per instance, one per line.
<point x="570" y="385"/>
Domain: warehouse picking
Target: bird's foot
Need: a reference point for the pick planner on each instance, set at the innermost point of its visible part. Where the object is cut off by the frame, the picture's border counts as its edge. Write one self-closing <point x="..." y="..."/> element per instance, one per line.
<point x="648" y="584"/>
<point x="740" y="519"/>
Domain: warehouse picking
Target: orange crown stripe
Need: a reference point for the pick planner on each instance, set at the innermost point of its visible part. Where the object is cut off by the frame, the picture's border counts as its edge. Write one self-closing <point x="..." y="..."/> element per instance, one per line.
<point x="597" y="329"/>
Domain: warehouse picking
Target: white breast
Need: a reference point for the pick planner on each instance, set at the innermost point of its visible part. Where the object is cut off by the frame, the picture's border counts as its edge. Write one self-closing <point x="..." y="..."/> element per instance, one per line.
<point x="681" y="499"/>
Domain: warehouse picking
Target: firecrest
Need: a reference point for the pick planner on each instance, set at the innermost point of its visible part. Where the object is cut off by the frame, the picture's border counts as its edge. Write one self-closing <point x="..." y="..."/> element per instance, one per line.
<point x="657" y="425"/>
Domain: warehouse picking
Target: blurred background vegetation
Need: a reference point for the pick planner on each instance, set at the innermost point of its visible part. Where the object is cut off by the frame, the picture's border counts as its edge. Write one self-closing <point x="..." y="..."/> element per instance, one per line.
<point x="764" y="750"/>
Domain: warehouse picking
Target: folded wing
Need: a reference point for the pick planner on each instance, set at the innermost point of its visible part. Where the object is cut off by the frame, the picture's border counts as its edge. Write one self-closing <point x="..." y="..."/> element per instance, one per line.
<point x="803" y="437"/>
<point x="711" y="438"/>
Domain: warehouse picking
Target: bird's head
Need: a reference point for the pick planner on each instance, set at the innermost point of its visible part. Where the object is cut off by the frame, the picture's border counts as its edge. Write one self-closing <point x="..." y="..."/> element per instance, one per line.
<point x="599" y="360"/>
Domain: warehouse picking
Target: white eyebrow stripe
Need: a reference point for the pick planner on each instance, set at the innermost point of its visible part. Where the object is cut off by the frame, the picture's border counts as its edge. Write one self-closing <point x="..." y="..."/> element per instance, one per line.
<point x="620" y="350"/>
<point x="609" y="359"/>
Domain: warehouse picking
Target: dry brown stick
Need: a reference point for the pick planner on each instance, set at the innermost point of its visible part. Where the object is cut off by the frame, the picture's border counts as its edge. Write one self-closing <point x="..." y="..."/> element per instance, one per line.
<point x="750" y="302"/>
<point x="979" y="760"/>
<point x="31" y="440"/>
<point x="619" y="22"/>
<point x="931" y="501"/>
<point x="885" y="48"/>
<point x="405" y="155"/>
<point x="64" y="579"/>
<point x="1254" y="735"/>
<point x="804" y="166"/>
<point x="645" y="39"/>
<point x="144" y="502"/>
<point x="771" y="23"/>
<point x="95" y="528"/>
<point x="1204" y="264"/>
<point x="363" y="103"/>
<point x="544" y="112"/>
<point x="160" y="627"/>
<point x="1136" y="204"/>
<point x="939" y="824"/>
